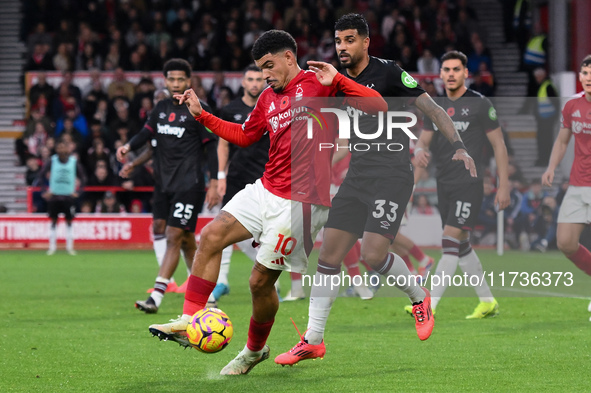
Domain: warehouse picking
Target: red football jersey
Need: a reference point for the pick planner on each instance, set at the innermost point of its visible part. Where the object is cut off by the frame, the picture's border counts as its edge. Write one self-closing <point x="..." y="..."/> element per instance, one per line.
<point x="297" y="169"/>
<point x="576" y="116"/>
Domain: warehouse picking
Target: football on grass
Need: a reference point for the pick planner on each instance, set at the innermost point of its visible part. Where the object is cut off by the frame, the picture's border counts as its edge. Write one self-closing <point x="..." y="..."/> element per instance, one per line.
<point x="210" y="330"/>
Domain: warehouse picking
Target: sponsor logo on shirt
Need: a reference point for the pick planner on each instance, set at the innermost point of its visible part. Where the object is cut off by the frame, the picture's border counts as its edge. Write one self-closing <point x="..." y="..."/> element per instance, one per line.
<point x="166" y="129"/>
<point x="408" y="80"/>
<point x="579" y="126"/>
<point x="460" y="126"/>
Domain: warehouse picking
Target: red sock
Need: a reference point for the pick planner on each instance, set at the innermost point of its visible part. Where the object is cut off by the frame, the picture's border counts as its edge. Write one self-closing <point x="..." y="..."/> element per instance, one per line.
<point x="416" y="253"/>
<point x="295" y="276"/>
<point x="198" y="291"/>
<point x="582" y="259"/>
<point x="409" y="264"/>
<point x="258" y="334"/>
<point x="352" y="261"/>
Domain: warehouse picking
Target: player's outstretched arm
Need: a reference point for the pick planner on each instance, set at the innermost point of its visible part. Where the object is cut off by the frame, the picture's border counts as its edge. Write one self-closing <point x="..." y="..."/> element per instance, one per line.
<point x="327" y="75"/>
<point x="495" y="137"/>
<point x="421" y="153"/>
<point x="223" y="155"/>
<point x="445" y="125"/>
<point x="558" y="151"/>
<point x="232" y="132"/>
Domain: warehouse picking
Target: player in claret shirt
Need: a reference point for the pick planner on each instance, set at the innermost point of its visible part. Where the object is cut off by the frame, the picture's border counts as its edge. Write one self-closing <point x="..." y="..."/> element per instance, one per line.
<point x="285" y="209"/>
<point x="575" y="211"/>
<point x="179" y="143"/>
<point x="460" y="195"/>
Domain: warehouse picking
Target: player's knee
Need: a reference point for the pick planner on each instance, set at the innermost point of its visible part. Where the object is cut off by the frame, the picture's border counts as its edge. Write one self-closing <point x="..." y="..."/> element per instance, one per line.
<point x="567" y="246"/>
<point x="372" y="257"/>
<point x="212" y="237"/>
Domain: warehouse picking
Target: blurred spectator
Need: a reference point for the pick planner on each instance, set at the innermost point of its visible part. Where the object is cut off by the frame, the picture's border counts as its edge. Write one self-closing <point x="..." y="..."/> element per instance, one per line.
<point x="478" y="55"/>
<point x="426" y="185"/>
<point x="87" y="206"/>
<point x="214" y="95"/>
<point x="427" y="64"/>
<point x="37" y="140"/>
<point x="109" y="204"/>
<point x="113" y="57"/>
<point x="530" y="221"/>
<point x="65" y="35"/>
<point x="423" y="206"/>
<point x="98" y="152"/>
<point x="72" y="121"/>
<point x="120" y="85"/>
<point x="480" y="86"/>
<point x="101" y="176"/>
<point x="429" y="86"/>
<point x="547" y="113"/>
<point x="41" y="90"/>
<point x="40" y="59"/>
<point x="33" y="169"/>
<point x="68" y="80"/>
<point x="487" y="216"/>
<point x="89" y="59"/>
<point x="296" y="9"/>
<point x="39" y="36"/>
<point x="62" y="60"/>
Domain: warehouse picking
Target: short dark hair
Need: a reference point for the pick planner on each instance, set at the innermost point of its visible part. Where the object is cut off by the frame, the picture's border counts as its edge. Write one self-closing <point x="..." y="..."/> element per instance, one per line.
<point x="177" y="65"/>
<point x="252" y="67"/>
<point x="273" y="41"/>
<point x="455" y="55"/>
<point x="352" y="21"/>
<point x="586" y="61"/>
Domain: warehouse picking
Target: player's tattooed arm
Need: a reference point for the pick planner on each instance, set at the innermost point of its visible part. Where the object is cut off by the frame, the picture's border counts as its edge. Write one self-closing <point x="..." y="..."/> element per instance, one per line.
<point x="446" y="126"/>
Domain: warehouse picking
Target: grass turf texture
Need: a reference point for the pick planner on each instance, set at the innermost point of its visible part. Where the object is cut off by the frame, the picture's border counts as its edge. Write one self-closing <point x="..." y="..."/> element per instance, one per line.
<point x="68" y="324"/>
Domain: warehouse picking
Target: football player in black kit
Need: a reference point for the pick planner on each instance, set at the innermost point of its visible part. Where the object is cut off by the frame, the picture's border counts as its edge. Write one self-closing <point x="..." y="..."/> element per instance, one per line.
<point x="459" y="195"/>
<point x="239" y="166"/>
<point x="179" y="142"/>
<point x="371" y="201"/>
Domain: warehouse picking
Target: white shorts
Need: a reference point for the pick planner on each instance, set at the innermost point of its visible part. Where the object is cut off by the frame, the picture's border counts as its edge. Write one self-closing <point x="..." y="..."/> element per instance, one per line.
<point x="576" y="206"/>
<point x="285" y="229"/>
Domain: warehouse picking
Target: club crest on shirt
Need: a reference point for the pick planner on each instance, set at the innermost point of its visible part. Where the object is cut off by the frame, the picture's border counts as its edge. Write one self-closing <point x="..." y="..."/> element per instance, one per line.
<point x="183" y="118"/>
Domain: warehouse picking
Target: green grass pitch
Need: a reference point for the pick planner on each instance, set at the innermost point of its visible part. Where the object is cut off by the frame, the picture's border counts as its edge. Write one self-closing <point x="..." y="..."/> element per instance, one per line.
<point x="68" y="325"/>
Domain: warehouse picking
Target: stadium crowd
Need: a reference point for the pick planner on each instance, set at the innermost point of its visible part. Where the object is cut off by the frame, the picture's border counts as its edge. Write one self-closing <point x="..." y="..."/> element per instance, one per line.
<point x="135" y="35"/>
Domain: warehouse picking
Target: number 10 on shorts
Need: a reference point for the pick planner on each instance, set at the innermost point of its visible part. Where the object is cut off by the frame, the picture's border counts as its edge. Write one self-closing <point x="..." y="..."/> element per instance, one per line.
<point x="286" y="245"/>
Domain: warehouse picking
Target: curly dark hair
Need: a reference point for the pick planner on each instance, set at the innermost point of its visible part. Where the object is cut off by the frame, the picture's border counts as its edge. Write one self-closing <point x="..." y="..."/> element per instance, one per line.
<point x="455" y="55"/>
<point x="352" y="21"/>
<point x="177" y="65"/>
<point x="273" y="41"/>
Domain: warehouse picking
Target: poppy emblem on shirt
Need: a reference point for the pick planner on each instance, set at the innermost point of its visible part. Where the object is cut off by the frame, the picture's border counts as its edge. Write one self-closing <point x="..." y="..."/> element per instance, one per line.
<point x="451" y="111"/>
<point x="589" y="115"/>
<point x="172" y="116"/>
<point x="284" y="102"/>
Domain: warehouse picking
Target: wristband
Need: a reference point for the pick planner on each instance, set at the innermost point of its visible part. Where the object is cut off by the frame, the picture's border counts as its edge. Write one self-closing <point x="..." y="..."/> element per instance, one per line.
<point x="418" y="149"/>
<point x="457" y="145"/>
<point x="221" y="175"/>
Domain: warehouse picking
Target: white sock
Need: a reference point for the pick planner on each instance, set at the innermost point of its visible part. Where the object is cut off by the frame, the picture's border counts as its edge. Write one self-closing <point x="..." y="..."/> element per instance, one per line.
<point x="252" y="354"/>
<point x="69" y="238"/>
<point x="186" y="317"/>
<point x="159" y="290"/>
<point x="160" y="249"/>
<point x="403" y="279"/>
<point x="52" y="237"/>
<point x="247" y="248"/>
<point x="321" y="299"/>
<point x="471" y="265"/>
<point x="225" y="265"/>
<point x="447" y="265"/>
<point x="211" y="298"/>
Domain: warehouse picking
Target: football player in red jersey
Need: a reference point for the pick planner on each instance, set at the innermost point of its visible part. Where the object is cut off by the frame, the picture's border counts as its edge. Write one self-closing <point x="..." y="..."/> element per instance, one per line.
<point x="285" y="209"/>
<point x="575" y="211"/>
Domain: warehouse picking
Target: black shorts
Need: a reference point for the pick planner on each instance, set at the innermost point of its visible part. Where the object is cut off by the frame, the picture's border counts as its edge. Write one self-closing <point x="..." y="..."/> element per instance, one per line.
<point x="459" y="204"/>
<point x="179" y="209"/>
<point x="374" y="205"/>
<point x="61" y="204"/>
<point x="233" y="186"/>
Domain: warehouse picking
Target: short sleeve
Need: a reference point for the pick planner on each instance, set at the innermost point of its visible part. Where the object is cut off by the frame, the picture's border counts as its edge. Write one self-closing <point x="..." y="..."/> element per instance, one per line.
<point x="402" y="83"/>
<point x="489" y="119"/>
<point x="565" y="121"/>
